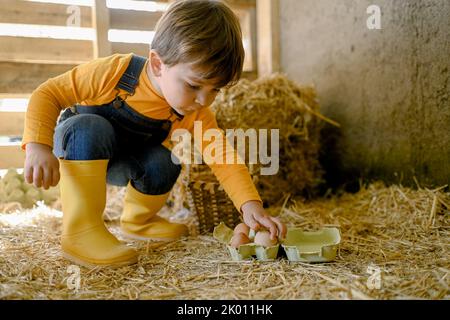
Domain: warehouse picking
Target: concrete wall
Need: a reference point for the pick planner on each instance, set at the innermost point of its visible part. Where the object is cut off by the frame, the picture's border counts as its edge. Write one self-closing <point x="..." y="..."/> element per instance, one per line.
<point x="388" y="88"/>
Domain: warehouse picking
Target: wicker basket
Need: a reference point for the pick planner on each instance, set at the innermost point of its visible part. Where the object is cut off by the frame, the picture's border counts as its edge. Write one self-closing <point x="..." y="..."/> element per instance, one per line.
<point x="207" y="200"/>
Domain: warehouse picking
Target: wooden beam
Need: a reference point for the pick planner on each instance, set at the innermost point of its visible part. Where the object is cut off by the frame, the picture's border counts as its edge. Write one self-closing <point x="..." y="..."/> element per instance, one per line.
<point x="241" y="3"/>
<point x="134" y="20"/>
<point x="45" y="50"/>
<point x="11" y="156"/>
<point x="12" y="123"/>
<point x="15" y="95"/>
<point x="253" y="37"/>
<point x="23" y="78"/>
<point x="248" y="27"/>
<point x="137" y="48"/>
<point x="267" y="21"/>
<point x="26" y="12"/>
<point x="229" y="2"/>
<point x="100" y="22"/>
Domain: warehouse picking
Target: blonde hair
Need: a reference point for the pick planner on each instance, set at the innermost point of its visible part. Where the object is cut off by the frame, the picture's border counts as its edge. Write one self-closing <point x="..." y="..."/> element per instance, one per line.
<point x="204" y="33"/>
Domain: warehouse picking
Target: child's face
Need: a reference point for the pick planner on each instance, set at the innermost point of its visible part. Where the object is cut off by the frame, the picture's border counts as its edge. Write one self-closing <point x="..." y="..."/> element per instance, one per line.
<point x="183" y="90"/>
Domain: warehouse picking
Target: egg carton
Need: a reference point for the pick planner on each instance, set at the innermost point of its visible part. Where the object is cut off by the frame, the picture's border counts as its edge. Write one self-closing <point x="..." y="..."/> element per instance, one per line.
<point x="223" y="234"/>
<point x="312" y="246"/>
<point x="299" y="245"/>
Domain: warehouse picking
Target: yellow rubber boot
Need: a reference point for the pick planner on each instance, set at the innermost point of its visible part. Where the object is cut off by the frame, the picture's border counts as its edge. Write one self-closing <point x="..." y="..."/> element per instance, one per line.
<point x="140" y="220"/>
<point x="85" y="239"/>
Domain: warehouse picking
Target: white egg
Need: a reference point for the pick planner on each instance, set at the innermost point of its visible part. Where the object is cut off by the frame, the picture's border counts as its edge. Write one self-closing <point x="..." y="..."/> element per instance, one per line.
<point x="262" y="238"/>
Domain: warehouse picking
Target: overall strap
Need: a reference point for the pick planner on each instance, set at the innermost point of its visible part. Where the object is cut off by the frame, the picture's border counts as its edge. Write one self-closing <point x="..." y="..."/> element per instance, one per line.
<point x="130" y="78"/>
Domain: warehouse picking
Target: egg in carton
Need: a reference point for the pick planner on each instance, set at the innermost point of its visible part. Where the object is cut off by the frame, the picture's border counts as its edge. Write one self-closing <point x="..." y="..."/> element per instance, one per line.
<point x="242" y="247"/>
<point x="299" y="246"/>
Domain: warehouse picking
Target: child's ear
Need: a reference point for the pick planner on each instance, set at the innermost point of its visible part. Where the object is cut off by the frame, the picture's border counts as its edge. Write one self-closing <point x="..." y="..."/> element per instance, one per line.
<point x="155" y="63"/>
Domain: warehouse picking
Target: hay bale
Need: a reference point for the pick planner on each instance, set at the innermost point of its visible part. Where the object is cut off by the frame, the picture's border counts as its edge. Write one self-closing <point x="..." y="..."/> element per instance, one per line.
<point x="276" y="102"/>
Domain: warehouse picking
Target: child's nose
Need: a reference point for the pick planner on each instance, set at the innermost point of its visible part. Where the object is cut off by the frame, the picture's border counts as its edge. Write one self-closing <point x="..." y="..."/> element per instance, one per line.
<point x="198" y="102"/>
<point x="200" y="99"/>
<point x="204" y="99"/>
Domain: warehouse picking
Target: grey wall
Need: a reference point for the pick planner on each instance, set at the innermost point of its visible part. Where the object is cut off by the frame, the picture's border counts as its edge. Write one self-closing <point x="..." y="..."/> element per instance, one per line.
<point x="388" y="88"/>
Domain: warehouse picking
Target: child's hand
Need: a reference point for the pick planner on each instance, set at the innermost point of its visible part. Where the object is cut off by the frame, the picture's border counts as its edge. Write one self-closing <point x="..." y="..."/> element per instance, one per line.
<point x="255" y="216"/>
<point x="41" y="166"/>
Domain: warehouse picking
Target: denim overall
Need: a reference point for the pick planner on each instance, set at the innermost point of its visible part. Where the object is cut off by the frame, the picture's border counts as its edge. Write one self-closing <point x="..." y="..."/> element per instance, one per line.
<point x="114" y="131"/>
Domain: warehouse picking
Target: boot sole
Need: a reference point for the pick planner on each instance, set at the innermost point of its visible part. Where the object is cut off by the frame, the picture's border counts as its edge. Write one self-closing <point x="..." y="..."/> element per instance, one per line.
<point x="94" y="265"/>
<point x="136" y="237"/>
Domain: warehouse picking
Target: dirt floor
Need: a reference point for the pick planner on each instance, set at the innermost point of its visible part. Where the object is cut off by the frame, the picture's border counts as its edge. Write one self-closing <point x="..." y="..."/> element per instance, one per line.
<point x="395" y="245"/>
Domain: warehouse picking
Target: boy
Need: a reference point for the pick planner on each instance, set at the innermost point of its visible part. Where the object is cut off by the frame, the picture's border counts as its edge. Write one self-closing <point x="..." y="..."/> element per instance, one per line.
<point x="119" y="132"/>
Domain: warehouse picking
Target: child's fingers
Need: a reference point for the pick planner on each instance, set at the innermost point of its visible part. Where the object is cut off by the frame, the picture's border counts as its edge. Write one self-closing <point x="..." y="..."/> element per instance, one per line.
<point x="37" y="177"/>
<point x="281" y="227"/>
<point x="252" y="223"/>
<point x="28" y="174"/>
<point x="47" y="178"/>
<point x="267" y="222"/>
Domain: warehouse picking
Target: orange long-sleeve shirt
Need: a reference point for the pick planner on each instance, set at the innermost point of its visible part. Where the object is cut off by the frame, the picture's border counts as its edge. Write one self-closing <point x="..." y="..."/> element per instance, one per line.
<point x="94" y="83"/>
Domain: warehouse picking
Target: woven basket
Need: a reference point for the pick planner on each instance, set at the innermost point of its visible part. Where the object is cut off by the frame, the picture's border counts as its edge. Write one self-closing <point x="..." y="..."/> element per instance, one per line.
<point x="207" y="200"/>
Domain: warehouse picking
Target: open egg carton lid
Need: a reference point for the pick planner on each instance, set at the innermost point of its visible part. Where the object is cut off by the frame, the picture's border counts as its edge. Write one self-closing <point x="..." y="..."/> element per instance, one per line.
<point x="299" y="245"/>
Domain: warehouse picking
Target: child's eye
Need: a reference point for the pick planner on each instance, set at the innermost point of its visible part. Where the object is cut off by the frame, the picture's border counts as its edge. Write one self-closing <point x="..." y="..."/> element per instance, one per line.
<point x="217" y="90"/>
<point x="193" y="87"/>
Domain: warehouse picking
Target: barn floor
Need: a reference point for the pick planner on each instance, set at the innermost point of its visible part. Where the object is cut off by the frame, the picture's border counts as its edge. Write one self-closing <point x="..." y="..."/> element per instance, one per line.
<point x="399" y="234"/>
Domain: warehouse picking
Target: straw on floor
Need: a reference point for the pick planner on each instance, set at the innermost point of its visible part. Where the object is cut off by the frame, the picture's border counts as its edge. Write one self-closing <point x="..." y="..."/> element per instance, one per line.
<point x="395" y="245"/>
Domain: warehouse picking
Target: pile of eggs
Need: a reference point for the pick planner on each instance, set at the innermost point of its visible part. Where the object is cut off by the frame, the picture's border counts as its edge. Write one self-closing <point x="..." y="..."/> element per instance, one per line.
<point x="241" y="236"/>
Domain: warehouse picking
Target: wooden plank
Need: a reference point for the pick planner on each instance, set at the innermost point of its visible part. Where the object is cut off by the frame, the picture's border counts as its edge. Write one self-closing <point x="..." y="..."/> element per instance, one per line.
<point x="12" y="123"/>
<point x="14" y="11"/>
<point x="45" y="50"/>
<point x="14" y="95"/>
<point x="231" y="3"/>
<point x="100" y="22"/>
<point x="137" y="48"/>
<point x="241" y="3"/>
<point x="11" y="156"/>
<point x="248" y="3"/>
<point x="253" y="29"/>
<point x="248" y="26"/>
<point x="20" y="77"/>
<point x="267" y="19"/>
<point x="133" y="20"/>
